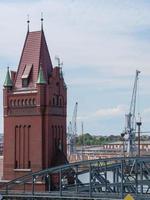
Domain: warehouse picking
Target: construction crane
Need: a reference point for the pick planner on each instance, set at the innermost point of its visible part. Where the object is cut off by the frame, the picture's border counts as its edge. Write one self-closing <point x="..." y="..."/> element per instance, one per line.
<point x="72" y="131"/>
<point x="130" y="127"/>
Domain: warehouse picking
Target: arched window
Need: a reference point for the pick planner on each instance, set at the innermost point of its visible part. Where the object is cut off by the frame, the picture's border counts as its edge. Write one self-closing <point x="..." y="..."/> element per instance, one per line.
<point x="59" y="131"/>
<point x="22" y="102"/>
<point x="29" y="102"/>
<point x="60" y="144"/>
<point x="62" y="130"/>
<point x="52" y="129"/>
<point x="53" y="101"/>
<point x="11" y="103"/>
<point x="26" y="102"/>
<point x="18" y="102"/>
<point x="56" y="130"/>
<point x="14" y="102"/>
<point x="61" y="101"/>
<point x="34" y="102"/>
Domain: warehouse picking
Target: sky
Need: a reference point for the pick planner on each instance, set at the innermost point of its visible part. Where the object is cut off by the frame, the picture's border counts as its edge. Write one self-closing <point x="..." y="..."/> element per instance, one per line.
<point x="101" y="44"/>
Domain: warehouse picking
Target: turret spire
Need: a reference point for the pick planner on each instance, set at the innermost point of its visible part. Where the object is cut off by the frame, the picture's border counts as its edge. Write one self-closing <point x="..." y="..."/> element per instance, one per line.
<point x="42" y="21"/>
<point x="28" y="23"/>
<point x="8" y="82"/>
<point x="41" y="79"/>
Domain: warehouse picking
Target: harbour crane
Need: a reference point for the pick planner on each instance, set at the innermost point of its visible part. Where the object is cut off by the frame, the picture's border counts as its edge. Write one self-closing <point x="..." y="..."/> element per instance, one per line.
<point x="72" y="131"/>
<point x="130" y="127"/>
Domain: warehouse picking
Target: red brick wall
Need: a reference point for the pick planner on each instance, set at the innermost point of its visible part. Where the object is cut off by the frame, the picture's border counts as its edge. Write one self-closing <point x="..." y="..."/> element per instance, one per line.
<point x="34" y="126"/>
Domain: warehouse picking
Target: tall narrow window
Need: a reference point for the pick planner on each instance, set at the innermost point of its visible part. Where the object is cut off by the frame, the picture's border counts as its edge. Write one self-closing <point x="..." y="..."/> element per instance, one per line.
<point x="16" y="148"/>
<point x="62" y="137"/>
<point x="29" y="161"/>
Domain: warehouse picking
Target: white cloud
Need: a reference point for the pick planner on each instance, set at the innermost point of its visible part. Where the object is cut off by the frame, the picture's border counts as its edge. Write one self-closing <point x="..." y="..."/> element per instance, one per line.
<point x="111" y="112"/>
<point x="103" y="113"/>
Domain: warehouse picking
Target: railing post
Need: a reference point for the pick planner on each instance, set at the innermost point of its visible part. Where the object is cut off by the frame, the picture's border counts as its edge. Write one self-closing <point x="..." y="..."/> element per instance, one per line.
<point x="76" y="179"/>
<point x="49" y="183"/>
<point x="136" y="177"/>
<point x="6" y="189"/>
<point x="105" y="173"/>
<point x="122" y="176"/>
<point x="90" y="186"/>
<point x="114" y="179"/>
<point x="141" y="176"/>
<point x="33" y="180"/>
<point x="60" y="183"/>
<point x="117" y="179"/>
<point x="24" y="187"/>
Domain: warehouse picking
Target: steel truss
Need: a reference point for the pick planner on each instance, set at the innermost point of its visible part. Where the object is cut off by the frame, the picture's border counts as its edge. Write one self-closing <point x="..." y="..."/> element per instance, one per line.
<point x="103" y="178"/>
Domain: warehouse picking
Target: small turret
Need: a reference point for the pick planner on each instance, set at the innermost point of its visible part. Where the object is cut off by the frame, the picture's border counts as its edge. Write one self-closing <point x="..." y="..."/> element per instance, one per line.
<point x="8" y="82"/>
<point x="41" y="79"/>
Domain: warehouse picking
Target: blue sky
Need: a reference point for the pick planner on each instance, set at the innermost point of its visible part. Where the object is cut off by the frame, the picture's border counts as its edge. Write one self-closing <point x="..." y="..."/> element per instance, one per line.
<point x="101" y="44"/>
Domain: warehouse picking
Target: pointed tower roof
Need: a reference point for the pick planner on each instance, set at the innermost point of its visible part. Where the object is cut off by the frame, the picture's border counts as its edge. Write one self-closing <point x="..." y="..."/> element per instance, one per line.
<point x="8" y="82"/>
<point x="41" y="79"/>
<point x="35" y="51"/>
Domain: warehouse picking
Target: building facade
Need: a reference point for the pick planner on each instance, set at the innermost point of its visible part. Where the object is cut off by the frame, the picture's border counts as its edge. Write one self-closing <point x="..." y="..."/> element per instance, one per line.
<point x="35" y="100"/>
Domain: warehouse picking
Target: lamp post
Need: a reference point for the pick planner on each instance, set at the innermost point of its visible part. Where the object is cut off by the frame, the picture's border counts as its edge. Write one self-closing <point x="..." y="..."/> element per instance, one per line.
<point x="139" y="123"/>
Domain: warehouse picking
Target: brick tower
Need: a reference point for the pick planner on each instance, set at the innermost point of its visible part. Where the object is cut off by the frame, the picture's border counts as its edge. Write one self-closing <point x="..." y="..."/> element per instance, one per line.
<point x="34" y="111"/>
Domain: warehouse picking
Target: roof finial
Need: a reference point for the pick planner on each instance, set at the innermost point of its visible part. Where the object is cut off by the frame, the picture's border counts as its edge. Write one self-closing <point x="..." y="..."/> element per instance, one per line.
<point x="28" y="22"/>
<point x="42" y="21"/>
<point x="41" y="79"/>
<point x="8" y="81"/>
<point x="58" y="60"/>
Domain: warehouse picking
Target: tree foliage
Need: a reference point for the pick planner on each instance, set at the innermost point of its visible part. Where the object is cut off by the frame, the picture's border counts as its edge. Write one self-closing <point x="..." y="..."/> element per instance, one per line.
<point x="87" y="139"/>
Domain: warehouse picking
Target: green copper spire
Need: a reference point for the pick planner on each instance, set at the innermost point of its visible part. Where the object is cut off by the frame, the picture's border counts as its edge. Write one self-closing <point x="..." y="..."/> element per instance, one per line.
<point x="41" y="79"/>
<point x="8" y="82"/>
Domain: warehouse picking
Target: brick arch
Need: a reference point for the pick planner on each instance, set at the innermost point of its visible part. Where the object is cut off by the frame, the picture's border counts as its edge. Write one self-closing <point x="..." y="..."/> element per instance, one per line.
<point x="52" y="129"/>
<point x="22" y="102"/>
<point x="62" y="130"/>
<point x="30" y="102"/>
<point x="55" y="130"/>
<point x="26" y="102"/>
<point x="15" y="102"/>
<point x="61" y="100"/>
<point x="33" y="101"/>
<point x="54" y="100"/>
<point x="18" y="102"/>
<point x="11" y="103"/>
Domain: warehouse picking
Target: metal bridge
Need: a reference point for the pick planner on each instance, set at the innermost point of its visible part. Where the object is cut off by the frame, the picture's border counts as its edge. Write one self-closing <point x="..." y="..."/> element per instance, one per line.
<point x="95" y="179"/>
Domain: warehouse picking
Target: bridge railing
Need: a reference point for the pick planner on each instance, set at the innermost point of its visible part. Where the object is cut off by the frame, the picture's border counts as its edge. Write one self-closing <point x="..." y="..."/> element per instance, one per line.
<point x="94" y="178"/>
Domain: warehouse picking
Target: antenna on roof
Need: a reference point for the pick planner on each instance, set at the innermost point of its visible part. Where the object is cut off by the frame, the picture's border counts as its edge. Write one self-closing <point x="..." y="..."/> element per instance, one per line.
<point x="60" y="64"/>
<point x="28" y="22"/>
<point x="42" y="21"/>
<point x="58" y="60"/>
